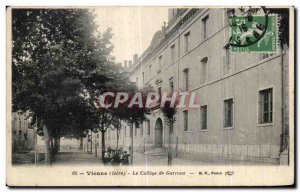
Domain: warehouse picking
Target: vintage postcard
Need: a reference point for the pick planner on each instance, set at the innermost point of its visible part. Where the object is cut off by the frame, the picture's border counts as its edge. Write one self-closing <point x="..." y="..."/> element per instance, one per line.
<point x="150" y="96"/>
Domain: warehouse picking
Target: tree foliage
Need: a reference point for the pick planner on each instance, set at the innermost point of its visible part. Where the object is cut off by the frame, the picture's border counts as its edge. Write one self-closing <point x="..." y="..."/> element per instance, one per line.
<point x="58" y="55"/>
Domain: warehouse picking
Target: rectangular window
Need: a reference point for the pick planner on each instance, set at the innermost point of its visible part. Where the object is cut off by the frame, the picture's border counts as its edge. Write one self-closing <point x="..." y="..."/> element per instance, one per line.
<point x="203" y="111"/>
<point x="173" y="53"/>
<point x="171" y="84"/>
<point x="142" y="129"/>
<point x="148" y="127"/>
<point x="124" y="131"/>
<point x="149" y="72"/>
<point x="159" y="93"/>
<point x="204" y="27"/>
<point x="228" y="113"/>
<point x="186" y="42"/>
<point x="135" y="131"/>
<point x="186" y="78"/>
<point x="204" y="70"/>
<point x="186" y="120"/>
<point x="266" y="106"/>
<point x="159" y="64"/>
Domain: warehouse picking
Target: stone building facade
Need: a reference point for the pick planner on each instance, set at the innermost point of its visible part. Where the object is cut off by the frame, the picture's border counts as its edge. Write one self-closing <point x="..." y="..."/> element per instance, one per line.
<point x="22" y="133"/>
<point x="243" y="96"/>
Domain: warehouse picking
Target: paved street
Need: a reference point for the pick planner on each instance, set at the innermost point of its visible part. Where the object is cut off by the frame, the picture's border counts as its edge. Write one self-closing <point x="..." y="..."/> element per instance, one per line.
<point x="75" y="157"/>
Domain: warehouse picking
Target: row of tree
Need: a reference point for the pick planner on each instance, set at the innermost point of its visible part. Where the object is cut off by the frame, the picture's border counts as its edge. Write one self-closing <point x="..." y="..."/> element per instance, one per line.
<point x="61" y="65"/>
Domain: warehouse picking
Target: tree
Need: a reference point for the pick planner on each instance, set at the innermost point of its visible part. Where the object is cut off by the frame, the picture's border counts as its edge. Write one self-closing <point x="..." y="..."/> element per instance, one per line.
<point x="169" y="111"/>
<point x="57" y="55"/>
<point x="135" y="114"/>
<point x="108" y="118"/>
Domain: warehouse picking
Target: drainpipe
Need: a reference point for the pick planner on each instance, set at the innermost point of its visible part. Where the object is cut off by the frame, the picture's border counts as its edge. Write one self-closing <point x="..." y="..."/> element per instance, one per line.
<point x="285" y="133"/>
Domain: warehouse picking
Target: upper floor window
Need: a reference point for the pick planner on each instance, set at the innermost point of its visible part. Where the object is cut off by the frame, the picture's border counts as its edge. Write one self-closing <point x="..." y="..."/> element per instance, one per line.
<point x="186" y="79"/>
<point x="159" y="93"/>
<point x="186" y="120"/>
<point x="205" y="27"/>
<point x="171" y="85"/>
<point x="204" y="70"/>
<point x="228" y="113"/>
<point x="186" y="42"/>
<point x="203" y="111"/>
<point x="143" y="77"/>
<point x="149" y="71"/>
<point x="266" y="106"/>
<point x="159" y="64"/>
<point x="173" y="53"/>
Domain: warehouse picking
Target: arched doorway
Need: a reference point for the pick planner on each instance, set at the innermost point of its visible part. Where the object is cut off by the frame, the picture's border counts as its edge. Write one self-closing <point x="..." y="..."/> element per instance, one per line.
<point x="158" y="133"/>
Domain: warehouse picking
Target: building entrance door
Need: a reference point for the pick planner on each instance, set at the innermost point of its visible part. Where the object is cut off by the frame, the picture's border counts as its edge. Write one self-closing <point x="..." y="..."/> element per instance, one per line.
<point x="158" y="133"/>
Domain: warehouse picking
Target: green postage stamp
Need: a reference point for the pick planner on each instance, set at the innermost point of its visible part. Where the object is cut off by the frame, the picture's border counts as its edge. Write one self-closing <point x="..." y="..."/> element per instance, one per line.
<point x="258" y="33"/>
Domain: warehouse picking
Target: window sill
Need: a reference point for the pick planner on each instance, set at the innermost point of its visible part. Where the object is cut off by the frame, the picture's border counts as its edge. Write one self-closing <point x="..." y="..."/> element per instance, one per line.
<point x="186" y="131"/>
<point x="265" y="124"/>
<point x="227" y="128"/>
<point x="203" y="130"/>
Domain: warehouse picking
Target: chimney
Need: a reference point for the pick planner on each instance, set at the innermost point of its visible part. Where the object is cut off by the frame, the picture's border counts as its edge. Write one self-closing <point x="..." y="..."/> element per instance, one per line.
<point x="135" y="58"/>
<point x="125" y="63"/>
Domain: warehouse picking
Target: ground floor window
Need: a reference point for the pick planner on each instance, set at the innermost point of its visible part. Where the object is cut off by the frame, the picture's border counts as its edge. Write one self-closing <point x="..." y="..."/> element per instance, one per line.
<point x="228" y="113"/>
<point x="266" y="106"/>
<point x="203" y="111"/>
<point x="186" y="120"/>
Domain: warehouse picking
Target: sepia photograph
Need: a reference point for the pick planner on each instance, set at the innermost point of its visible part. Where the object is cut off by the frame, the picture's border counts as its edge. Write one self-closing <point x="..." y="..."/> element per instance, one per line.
<point x="150" y="96"/>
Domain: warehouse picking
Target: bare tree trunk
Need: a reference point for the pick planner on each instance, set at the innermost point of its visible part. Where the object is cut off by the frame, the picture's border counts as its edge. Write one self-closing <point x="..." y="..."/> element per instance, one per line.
<point x="91" y="142"/>
<point x="52" y="149"/>
<point x="58" y="145"/>
<point x="55" y="149"/>
<point x="169" y="148"/>
<point x="117" y="139"/>
<point x="81" y="144"/>
<point x="47" y="145"/>
<point x="131" y="145"/>
<point x="103" y="144"/>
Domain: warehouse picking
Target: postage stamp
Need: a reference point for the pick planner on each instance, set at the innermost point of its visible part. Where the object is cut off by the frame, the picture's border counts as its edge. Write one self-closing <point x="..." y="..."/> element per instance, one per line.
<point x="258" y="33"/>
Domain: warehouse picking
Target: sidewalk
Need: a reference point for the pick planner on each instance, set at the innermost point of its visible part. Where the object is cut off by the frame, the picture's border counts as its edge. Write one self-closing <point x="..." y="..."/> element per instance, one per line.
<point x="148" y="160"/>
<point x="76" y="157"/>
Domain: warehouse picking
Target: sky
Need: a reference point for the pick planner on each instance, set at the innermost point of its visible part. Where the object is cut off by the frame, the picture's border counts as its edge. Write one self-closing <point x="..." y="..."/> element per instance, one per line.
<point x="132" y="27"/>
